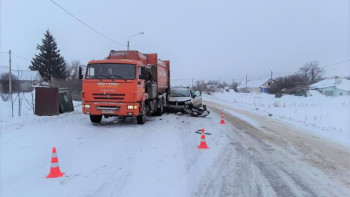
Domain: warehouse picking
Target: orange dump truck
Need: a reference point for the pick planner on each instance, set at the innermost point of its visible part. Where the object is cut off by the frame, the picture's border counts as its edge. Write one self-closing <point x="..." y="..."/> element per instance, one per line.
<point x="126" y="84"/>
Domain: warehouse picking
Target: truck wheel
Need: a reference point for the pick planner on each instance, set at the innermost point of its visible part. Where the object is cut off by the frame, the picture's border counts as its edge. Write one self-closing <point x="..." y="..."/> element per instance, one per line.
<point x="141" y="119"/>
<point x="96" y="118"/>
<point x="160" y="110"/>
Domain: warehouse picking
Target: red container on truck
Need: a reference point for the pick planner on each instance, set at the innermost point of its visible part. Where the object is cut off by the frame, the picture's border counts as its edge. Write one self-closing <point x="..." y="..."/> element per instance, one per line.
<point x="127" y="84"/>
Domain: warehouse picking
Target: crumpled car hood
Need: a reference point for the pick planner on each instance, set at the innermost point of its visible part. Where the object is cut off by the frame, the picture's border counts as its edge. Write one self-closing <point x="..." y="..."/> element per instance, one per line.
<point x="179" y="99"/>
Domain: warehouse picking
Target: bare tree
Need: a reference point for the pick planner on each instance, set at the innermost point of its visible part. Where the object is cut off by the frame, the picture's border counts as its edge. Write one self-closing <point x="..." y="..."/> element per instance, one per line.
<point x="234" y="86"/>
<point x="290" y="84"/>
<point x="4" y="82"/>
<point x="200" y="85"/>
<point x="72" y="69"/>
<point x="19" y="75"/>
<point x="31" y="102"/>
<point x="311" y="73"/>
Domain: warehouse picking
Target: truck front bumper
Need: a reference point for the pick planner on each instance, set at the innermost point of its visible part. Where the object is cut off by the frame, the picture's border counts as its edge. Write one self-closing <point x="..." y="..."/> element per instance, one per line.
<point x="110" y="108"/>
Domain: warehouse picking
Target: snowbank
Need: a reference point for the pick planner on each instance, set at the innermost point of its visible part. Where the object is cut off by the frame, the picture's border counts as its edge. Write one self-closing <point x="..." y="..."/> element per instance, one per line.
<point x="27" y="100"/>
<point x="323" y="116"/>
<point x="27" y="110"/>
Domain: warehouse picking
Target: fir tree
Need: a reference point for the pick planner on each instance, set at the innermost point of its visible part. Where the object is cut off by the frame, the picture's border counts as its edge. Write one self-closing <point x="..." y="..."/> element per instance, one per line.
<point x="49" y="62"/>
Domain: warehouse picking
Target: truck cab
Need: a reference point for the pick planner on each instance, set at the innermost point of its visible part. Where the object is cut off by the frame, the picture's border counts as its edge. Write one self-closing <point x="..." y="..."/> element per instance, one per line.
<point x="119" y="86"/>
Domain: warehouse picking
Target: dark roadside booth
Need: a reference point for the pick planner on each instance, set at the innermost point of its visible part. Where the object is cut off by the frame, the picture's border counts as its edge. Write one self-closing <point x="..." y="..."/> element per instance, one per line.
<point x="52" y="101"/>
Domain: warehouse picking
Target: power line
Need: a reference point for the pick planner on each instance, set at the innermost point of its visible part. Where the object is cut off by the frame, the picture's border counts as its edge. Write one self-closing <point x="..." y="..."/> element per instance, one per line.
<point x="336" y="63"/>
<point x="82" y="22"/>
<point x="20" y="57"/>
<point x="16" y="55"/>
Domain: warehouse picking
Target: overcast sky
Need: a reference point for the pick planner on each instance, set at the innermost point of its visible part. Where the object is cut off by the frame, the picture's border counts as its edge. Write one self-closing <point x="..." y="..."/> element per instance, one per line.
<point x="203" y="39"/>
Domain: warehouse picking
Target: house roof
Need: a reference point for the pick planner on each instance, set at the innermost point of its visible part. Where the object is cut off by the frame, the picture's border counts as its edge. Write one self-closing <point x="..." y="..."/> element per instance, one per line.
<point x="24" y="75"/>
<point x="27" y="75"/>
<point x="253" y="83"/>
<point x="342" y="84"/>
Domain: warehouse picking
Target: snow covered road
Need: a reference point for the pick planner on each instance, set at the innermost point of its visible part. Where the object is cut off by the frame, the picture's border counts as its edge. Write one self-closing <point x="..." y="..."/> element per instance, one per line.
<point x="161" y="158"/>
<point x="267" y="158"/>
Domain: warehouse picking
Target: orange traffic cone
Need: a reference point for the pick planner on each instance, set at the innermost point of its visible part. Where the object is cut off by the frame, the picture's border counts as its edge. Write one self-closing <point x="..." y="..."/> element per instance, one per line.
<point x="55" y="169"/>
<point x="222" y="119"/>
<point x="203" y="144"/>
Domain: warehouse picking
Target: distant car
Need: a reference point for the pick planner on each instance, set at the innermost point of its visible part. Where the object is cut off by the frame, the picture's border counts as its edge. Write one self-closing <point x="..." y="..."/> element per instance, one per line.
<point x="179" y="97"/>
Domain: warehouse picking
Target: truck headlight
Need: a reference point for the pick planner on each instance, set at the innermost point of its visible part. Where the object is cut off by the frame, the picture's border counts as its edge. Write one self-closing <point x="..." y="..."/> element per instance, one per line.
<point x="87" y="106"/>
<point x="131" y="107"/>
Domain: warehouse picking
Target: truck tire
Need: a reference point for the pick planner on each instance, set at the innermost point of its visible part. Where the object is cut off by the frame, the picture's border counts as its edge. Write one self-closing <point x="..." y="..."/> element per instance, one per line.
<point x="96" y="118"/>
<point x="160" y="110"/>
<point x="141" y="119"/>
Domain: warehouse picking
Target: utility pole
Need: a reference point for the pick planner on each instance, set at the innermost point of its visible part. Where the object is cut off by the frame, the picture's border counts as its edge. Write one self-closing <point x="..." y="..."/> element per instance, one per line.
<point x="19" y="95"/>
<point x="271" y="76"/>
<point x="10" y="82"/>
<point x="246" y="81"/>
<point x="192" y="82"/>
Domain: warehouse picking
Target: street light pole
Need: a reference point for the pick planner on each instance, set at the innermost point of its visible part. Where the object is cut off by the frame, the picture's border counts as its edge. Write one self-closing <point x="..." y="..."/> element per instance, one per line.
<point x="128" y="43"/>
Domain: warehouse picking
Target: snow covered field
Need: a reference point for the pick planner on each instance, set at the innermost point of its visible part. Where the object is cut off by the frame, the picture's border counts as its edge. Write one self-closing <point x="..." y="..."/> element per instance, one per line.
<point x="323" y="116"/>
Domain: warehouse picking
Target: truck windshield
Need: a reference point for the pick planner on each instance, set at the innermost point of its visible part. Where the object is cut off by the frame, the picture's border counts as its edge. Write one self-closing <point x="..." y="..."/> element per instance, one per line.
<point x="111" y="71"/>
<point x="179" y="93"/>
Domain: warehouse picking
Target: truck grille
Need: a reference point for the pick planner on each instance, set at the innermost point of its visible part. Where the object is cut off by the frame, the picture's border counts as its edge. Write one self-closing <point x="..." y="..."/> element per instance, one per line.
<point x="109" y="96"/>
<point x="107" y="107"/>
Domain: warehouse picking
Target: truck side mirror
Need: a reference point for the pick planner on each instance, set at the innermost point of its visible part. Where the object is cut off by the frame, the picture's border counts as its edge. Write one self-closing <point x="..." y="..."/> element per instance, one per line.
<point x="143" y="73"/>
<point x="80" y="73"/>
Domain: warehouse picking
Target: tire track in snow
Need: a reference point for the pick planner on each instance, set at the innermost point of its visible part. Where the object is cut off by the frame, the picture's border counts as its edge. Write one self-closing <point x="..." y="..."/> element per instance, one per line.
<point x="255" y="167"/>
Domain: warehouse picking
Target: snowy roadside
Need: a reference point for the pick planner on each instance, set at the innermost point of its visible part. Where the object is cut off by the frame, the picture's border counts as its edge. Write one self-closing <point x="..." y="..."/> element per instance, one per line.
<point x="326" y="117"/>
<point x="26" y="112"/>
<point x="113" y="158"/>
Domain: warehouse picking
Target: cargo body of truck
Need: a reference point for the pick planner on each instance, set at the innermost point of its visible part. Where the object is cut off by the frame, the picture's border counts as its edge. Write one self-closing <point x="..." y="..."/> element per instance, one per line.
<point x="126" y="84"/>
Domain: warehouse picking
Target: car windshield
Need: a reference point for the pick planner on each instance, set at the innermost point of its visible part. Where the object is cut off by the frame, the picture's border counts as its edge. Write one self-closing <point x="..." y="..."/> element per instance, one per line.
<point x="180" y="93"/>
<point x="111" y="71"/>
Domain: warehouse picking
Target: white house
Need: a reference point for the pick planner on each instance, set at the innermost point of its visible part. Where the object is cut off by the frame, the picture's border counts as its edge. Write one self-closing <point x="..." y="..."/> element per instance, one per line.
<point x="255" y="86"/>
<point x="26" y="78"/>
<point x="332" y="87"/>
